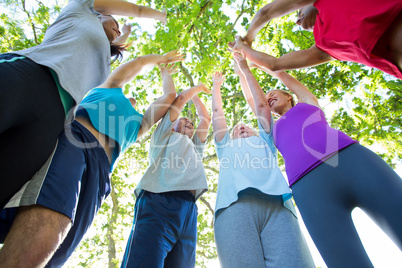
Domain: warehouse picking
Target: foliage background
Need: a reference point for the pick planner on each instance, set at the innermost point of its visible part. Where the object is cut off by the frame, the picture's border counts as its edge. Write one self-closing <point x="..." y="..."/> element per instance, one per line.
<point x="363" y="102"/>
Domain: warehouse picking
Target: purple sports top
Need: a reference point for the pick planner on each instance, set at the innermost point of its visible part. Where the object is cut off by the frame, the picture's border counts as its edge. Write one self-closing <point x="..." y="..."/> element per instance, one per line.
<point x="305" y="140"/>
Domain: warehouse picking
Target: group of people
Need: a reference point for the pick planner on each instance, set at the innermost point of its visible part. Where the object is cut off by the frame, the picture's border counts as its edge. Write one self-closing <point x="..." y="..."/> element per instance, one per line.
<point x="67" y="121"/>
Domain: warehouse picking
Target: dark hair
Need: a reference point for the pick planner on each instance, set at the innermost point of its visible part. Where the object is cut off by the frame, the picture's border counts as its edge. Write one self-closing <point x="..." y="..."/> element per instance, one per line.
<point x="116" y="51"/>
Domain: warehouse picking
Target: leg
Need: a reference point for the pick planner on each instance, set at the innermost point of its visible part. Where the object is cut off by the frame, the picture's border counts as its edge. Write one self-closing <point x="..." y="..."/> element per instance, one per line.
<point x="73" y="183"/>
<point x="154" y="231"/>
<point x="33" y="244"/>
<point x="183" y="253"/>
<point x="94" y="169"/>
<point x="379" y="191"/>
<point x="282" y="240"/>
<point x="325" y="198"/>
<point x="31" y="118"/>
<point x="237" y="237"/>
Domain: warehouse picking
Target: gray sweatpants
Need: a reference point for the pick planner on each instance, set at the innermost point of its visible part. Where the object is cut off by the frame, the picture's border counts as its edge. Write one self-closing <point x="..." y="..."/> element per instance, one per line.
<point x="258" y="231"/>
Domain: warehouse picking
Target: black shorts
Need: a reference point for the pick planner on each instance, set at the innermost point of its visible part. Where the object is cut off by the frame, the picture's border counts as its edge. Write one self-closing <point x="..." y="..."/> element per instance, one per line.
<point x="31" y="119"/>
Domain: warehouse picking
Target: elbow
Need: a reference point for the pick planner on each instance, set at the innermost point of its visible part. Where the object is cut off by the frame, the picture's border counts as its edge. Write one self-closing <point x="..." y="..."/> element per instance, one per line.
<point x="180" y="97"/>
<point x="139" y="11"/>
<point x="273" y="66"/>
<point x="263" y="13"/>
<point x="260" y="108"/>
<point x="170" y="97"/>
<point x="207" y="119"/>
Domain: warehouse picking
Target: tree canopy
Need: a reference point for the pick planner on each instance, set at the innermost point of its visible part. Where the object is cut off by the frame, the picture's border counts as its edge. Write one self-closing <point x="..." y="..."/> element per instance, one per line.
<point x="363" y="102"/>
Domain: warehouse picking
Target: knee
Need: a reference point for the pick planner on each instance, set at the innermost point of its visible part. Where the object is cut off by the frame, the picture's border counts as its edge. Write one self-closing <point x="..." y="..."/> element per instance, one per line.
<point x="35" y="235"/>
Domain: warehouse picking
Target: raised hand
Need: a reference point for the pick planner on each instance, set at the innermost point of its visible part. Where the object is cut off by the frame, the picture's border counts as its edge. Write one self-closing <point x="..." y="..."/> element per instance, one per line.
<point x="205" y="89"/>
<point x="218" y="78"/>
<point x="241" y="60"/>
<point x="173" y="56"/>
<point x="168" y="68"/>
<point x="237" y="45"/>
<point x="126" y="29"/>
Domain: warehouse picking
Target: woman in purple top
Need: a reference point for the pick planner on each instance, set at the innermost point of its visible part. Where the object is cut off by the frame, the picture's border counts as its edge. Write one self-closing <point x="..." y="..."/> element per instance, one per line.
<point x="330" y="174"/>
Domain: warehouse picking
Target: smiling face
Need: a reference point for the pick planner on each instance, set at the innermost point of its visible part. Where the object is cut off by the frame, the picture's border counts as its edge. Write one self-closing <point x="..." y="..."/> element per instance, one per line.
<point x="184" y="126"/>
<point x="306" y="17"/>
<point x="111" y="27"/>
<point x="242" y="131"/>
<point x="279" y="102"/>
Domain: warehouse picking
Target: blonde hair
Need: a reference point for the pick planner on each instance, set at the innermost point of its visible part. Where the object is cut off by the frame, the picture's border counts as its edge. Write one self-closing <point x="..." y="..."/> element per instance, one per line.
<point x="256" y="133"/>
<point x="286" y="93"/>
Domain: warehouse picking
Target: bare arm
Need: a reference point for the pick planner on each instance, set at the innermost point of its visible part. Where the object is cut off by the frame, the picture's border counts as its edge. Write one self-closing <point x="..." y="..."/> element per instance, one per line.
<point x="275" y="9"/>
<point x="183" y="98"/>
<point x="219" y="124"/>
<point x="303" y="94"/>
<point x="124" y="8"/>
<point x="244" y="87"/>
<point x="262" y="109"/>
<point x="161" y="105"/>
<point x="292" y="60"/>
<point x="131" y="69"/>
<point x="205" y="119"/>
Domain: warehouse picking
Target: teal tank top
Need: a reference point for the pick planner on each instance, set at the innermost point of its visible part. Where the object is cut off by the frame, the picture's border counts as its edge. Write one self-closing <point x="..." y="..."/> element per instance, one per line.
<point x="112" y="114"/>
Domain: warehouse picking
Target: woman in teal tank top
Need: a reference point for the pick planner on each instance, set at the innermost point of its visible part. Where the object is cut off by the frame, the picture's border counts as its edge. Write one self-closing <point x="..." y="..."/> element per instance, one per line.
<point x="70" y="188"/>
<point x="330" y="174"/>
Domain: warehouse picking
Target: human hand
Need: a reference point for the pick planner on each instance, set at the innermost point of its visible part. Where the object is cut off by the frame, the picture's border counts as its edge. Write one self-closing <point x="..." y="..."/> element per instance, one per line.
<point x="218" y="78"/>
<point x="241" y="60"/>
<point x="126" y="29"/>
<point x="204" y="88"/>
<point x="168" y="68"/>
<point x="173" y="56"/>
<point x="236" y="45"/>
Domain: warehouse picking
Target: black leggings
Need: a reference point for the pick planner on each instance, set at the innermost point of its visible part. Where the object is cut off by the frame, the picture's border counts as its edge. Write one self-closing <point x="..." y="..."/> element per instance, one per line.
<point x="31" y="119"/>
<point x="326" y="196"/>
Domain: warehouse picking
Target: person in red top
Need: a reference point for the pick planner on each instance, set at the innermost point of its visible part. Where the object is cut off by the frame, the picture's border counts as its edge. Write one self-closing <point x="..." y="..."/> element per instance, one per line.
<point x="363" y="31"/>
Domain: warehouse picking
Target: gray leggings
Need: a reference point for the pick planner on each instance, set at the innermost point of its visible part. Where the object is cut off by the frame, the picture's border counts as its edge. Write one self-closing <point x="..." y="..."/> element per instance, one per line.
<point x="326" y="196"/>
<point x="258" y="231"/>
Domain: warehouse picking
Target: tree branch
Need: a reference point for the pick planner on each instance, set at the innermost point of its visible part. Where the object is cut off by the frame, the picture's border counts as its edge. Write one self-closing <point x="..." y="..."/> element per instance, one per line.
<point x="212" y="169"/>
<point x="30" y="22"/>
<point x="209" y="158"/>
<point x="207" y="204"/>
<point x="146" y="138"/>
<point x="236" y="95"/>
<point x="186" y="74"/>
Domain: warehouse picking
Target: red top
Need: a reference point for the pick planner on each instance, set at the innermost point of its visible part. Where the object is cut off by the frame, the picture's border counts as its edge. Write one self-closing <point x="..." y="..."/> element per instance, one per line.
<point x="348" y="30"/>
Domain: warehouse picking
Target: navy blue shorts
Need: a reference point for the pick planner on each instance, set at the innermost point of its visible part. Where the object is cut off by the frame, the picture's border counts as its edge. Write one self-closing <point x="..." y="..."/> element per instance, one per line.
<point x="164" y="232"/>
<point x="74" y="181"/>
